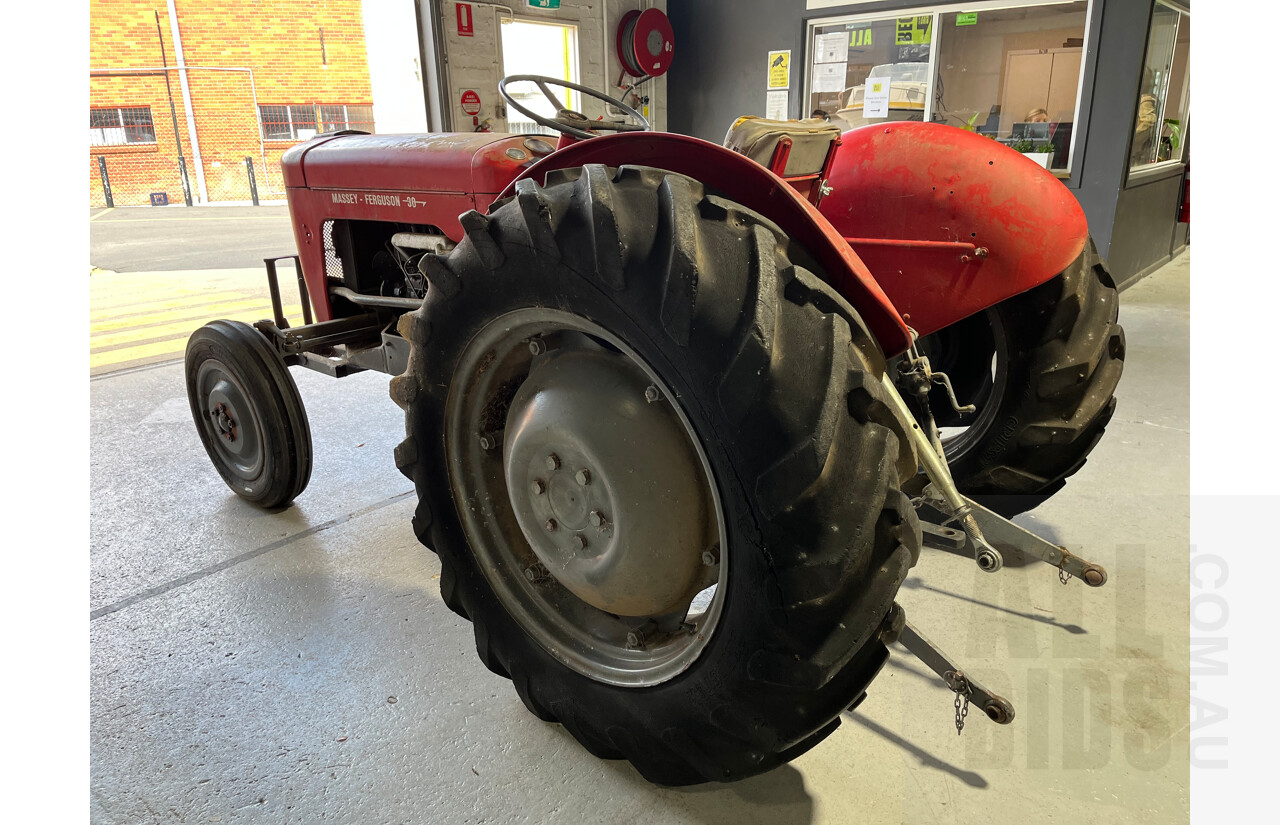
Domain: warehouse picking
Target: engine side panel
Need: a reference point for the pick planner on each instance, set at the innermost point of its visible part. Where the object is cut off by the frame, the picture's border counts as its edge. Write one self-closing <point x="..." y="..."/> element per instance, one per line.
<point x="948" y="221"/>
<point x="401" y="179"/>
<point x="750" y="184"/>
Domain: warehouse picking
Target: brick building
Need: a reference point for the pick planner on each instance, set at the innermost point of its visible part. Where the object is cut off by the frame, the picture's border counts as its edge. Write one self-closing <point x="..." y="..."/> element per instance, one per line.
<point x="305" y="61"/>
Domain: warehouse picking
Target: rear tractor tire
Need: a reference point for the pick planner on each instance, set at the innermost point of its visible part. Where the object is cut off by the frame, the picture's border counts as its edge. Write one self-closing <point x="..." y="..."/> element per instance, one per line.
<point x="655" y="459"/>
<point x="1042" y="368"/>
<point x="248" y="412"/>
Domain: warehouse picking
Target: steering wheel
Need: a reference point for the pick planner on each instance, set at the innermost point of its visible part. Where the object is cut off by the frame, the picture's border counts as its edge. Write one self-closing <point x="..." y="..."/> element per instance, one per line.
<point x="568" y="121"/>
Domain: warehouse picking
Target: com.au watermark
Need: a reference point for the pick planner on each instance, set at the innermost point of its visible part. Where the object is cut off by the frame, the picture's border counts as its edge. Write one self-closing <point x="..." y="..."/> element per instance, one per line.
<point x="1210" y="615"/>
<point x="1098" y="676"/>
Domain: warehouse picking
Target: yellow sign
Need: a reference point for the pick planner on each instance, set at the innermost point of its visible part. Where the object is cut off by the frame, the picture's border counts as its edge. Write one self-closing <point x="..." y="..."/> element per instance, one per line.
<point x="780" y="70"/>
<point x="912" y="31"/>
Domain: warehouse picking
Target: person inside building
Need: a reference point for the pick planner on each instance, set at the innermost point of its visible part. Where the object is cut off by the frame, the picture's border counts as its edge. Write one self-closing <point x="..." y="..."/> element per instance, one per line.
<point x="1036" y="116"/>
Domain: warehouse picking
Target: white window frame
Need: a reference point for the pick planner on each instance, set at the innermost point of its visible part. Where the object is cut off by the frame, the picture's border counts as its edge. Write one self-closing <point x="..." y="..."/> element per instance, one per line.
<point x="937" y="10"/>
<point x="567" y="96"/>
<point x="98" y="135"/>
<point x="293" y="126"/>
<point x="346" y="114"/>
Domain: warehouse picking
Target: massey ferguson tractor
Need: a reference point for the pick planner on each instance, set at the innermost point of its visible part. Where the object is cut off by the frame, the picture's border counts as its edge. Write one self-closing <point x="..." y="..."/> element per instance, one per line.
<point x="680" y="417"/>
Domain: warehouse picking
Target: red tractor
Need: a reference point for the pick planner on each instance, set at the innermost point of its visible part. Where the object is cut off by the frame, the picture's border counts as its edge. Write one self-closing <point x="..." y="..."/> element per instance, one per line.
<point x="680" y="418"/>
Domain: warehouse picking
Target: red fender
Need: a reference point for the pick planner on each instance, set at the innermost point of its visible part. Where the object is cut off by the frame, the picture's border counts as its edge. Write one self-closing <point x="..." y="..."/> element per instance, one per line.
<point x="750" y="184"/>
<point x="950" y="222"/>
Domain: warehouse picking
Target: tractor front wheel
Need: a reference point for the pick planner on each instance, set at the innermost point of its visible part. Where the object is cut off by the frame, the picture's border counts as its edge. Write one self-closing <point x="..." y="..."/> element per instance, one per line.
<point x="248" y="412"/>
<point x="655" y="459"/>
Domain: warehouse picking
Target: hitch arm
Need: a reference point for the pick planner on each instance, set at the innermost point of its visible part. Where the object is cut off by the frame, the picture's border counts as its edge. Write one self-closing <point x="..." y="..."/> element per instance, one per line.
<point x="967" y="689"/>
<point x="983" y="529"/>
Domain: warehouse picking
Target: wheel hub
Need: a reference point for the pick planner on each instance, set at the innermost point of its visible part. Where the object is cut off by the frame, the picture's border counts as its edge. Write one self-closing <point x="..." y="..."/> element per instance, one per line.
<point x="232" y="424"/>
<point x="225" y="423"/>
<point x="605" y="485"/>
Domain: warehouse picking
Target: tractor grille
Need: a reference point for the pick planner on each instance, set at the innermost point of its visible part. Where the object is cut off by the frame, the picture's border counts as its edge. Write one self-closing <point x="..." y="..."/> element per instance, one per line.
<point x="332" y="263"/>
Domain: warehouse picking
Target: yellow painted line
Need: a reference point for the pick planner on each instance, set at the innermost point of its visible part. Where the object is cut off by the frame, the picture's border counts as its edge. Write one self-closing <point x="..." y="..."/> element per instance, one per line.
<point x="100" y="214"/>
<point x="119" y="356"/>
<point x="202" y="311"/>
<point x="194" y="300"/>
<point x="155" y="349"/>
<point x="183" y="328"/>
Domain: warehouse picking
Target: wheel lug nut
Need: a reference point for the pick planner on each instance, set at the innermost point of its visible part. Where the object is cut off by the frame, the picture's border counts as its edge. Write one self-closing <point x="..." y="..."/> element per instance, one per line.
<point x="637" y="638"/>
<point x="596" y="518"/>
<point x="553" y="462"/>
<point x="583" y="477"/>
<point x="537" y="346"/>
<point x="488" y="441"/>
<point x="551" y="525"/>
<point x="536" y="572"/>
<point x="538" y="487"/>
<point x="578" y="542"/>
<point x="711" y="556"/>
<point x="652" y="393"/>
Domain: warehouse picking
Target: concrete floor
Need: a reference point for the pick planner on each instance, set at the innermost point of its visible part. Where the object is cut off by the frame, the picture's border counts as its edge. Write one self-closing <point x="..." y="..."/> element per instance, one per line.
<point x="301" y="667"/>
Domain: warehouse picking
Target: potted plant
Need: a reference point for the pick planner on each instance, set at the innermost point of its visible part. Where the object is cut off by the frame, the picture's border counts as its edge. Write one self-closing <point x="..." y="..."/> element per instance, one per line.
<point x="1039" y="152"/>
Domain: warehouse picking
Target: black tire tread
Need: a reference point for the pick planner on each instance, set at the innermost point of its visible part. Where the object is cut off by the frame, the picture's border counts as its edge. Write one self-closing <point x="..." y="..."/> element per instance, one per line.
<point x="284" y="417"/>
<point x="821" y="455"/>
<point x="1069" y="356"/>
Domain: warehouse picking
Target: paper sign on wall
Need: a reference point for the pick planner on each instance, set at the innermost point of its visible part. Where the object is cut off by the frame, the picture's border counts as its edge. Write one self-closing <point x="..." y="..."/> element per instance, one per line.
<point x="967" y="19"/>
<point x="775" y="105"/>
<point x="780" y="69"/>
<point x="828" y="77"/>
<point x="831" y="48"/>
<point x="875" y="97"/>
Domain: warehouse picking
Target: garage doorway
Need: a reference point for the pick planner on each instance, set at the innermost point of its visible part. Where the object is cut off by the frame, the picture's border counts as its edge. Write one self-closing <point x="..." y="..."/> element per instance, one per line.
<point x="537" y="47"/>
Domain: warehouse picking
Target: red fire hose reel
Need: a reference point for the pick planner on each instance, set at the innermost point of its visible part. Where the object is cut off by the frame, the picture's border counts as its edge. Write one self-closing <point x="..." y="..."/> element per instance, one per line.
<point x="645" y="43"/>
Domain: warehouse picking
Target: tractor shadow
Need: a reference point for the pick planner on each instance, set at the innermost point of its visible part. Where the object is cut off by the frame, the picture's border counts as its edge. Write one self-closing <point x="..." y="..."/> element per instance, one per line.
<point x="922" y="756"/>
<point x="778" y="797"/>
<point x="914" y="583"/>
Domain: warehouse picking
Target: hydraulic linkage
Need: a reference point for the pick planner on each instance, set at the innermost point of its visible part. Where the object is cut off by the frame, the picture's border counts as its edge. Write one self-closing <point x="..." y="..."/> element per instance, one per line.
<point x="981" y="533"/>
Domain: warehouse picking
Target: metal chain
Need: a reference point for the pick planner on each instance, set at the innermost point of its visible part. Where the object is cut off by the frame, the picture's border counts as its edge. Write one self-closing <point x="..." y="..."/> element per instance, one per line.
<point x="958" y="683"/>
<point x="1063" y="575"/>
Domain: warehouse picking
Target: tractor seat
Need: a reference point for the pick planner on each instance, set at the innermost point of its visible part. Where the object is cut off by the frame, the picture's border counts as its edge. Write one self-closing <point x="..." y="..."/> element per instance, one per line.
<point x="758" y="139"/>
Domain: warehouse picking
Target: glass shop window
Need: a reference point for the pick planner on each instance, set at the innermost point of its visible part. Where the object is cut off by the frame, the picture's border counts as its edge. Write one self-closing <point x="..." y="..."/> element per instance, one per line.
<point x="1164" y="96"/>
<point x="1013" y="75"/>
<point x="893" y="50"/>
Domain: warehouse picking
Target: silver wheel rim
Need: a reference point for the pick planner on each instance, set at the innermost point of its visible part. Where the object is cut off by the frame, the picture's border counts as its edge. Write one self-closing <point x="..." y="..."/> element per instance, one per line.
<point x="231" y="421"/>
<point x="635" y="650"/>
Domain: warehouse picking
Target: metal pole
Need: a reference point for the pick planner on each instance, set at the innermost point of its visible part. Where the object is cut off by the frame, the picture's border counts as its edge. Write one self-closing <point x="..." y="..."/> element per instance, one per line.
<point x="106" y="182"/>
<point x="186" y="101"/>
<point x="173" y="113"/>
<point x="253" y="182"/>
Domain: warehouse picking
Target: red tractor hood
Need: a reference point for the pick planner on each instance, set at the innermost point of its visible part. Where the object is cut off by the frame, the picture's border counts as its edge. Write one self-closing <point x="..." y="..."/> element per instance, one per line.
<point x="464" y="163"/>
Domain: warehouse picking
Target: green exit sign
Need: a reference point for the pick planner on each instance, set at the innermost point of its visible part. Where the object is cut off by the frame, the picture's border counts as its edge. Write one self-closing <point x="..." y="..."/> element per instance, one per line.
<point x="544" y="4"/>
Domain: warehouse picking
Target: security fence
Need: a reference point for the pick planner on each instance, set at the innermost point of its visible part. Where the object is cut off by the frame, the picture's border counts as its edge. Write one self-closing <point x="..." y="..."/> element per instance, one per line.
<point x="147" y="147"/>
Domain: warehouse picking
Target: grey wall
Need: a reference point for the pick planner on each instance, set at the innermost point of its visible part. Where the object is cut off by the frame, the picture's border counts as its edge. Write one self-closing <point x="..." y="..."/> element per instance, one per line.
<point x="719" y="74"/>
<point x="719" y="71"/>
